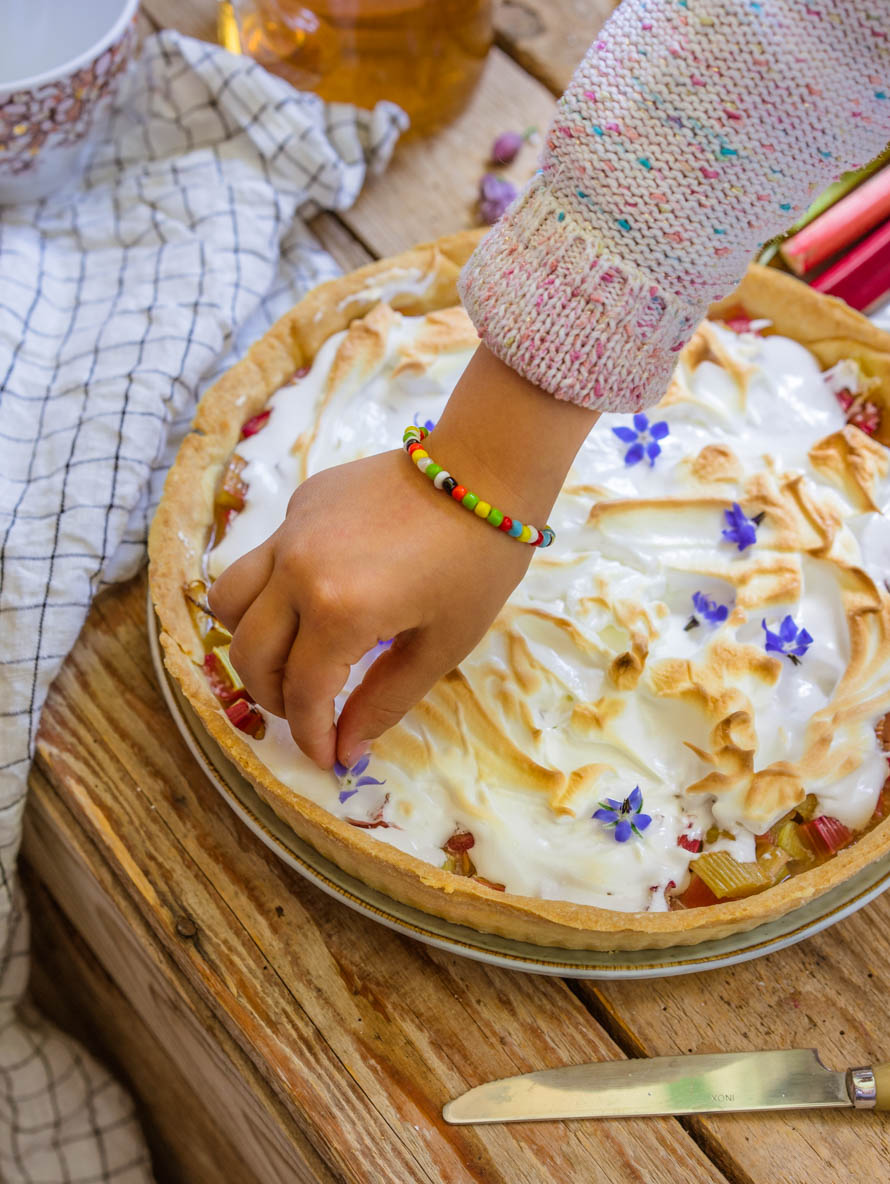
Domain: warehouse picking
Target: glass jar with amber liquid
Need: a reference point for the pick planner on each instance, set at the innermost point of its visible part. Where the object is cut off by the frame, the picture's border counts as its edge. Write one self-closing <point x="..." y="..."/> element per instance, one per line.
<point x="425" y="55"/>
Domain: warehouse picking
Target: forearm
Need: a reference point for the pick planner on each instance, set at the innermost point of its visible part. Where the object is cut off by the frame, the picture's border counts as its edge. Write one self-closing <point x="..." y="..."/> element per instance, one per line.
<point x="506" y="440"/>
<point x="689" y="135"/>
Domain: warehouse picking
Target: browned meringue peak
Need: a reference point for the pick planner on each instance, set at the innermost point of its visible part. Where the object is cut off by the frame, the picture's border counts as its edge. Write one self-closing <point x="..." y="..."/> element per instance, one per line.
<point x="759" y="579"/>
<point x="472" y="741"/>
<point x="854" y="462"/>
<point x="761" y="795"/>
<point x="715" y="464"/>
<point x="704" y="346"/>
<point x="361" y="352"/>
<point x="442" y="332"/>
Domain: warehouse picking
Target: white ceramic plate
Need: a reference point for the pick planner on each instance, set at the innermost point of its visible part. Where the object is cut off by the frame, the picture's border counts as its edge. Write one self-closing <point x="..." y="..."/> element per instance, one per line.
<point x="499" y="951"/>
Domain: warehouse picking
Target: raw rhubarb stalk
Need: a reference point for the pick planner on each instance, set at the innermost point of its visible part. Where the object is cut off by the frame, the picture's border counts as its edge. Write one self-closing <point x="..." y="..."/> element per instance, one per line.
<point x="862" y="276"/>
<point x="845" y="222"/>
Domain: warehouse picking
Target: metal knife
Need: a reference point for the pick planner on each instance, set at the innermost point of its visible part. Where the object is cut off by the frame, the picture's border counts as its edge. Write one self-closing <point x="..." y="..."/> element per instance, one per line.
<point x="790" y="1080"/>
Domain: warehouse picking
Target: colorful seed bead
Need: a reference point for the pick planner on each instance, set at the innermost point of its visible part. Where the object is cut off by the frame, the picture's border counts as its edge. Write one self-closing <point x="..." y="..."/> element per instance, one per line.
<point x="412" y="438"/>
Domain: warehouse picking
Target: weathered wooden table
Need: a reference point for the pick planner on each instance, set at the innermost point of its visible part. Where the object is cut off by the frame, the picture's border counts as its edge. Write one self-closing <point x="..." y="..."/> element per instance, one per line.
<point x="271" y="1034"/>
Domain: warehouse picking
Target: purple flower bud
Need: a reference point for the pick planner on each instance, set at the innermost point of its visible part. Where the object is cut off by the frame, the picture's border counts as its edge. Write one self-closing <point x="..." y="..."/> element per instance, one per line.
<point x="495" y="194"/>
<point x="506" y="147"/>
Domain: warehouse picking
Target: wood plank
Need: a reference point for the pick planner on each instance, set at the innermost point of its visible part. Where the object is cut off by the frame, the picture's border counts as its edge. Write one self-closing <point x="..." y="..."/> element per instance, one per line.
<point x="431" y="186"/>
<point x="339" y="242"/>
<point x="197" y="18"/>
<point x="548" y="38"/>
<point x="69" y="985"/>
<point x="829" y="993"/>
<point x="190" y="1036"/>
<point x="341" y="1016"/>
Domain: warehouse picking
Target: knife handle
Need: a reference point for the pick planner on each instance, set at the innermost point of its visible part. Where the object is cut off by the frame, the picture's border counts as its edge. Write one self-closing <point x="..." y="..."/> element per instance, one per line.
<point x="882" y="1086"/>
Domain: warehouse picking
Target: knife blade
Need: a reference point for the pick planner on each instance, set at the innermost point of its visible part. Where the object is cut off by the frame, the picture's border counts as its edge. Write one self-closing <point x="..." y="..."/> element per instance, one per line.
<point x="706" y="1084"/>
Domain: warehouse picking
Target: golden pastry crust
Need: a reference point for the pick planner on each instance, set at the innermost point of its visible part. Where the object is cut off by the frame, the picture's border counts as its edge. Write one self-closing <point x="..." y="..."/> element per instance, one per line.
<point x="179" y="536"/>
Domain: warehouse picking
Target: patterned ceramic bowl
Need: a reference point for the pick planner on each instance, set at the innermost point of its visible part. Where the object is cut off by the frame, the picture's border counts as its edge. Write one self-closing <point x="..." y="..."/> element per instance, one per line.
<point x="59" y="65"/>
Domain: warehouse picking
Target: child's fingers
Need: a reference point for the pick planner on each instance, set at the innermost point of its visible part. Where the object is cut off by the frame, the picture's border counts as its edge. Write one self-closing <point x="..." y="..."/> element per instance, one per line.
<point x="398" y="679"/>
<point x="261" y="644"/>
<point x="316" y="670"/>
<point x="239" y="585"/>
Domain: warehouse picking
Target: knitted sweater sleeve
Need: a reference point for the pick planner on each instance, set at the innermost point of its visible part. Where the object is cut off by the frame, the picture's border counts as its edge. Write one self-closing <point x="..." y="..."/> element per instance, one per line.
<point x="692" y="132"/>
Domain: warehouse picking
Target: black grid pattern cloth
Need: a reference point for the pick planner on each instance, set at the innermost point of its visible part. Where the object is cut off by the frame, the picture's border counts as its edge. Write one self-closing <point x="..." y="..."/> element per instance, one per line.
<point x="118" y="303"/>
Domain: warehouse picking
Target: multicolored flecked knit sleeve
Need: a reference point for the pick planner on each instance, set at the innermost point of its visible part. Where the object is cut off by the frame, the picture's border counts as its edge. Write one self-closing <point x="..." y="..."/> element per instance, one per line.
<point x="692" y="132"/>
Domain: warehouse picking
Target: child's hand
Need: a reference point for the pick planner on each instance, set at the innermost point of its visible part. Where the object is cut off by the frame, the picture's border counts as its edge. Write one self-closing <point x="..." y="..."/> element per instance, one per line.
<point x="371" y="551"/>
<point x="368" y="551"/>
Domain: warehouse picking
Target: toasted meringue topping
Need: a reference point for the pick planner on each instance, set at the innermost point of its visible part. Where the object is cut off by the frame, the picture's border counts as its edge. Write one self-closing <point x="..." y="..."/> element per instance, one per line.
<point x="593" y="679"/>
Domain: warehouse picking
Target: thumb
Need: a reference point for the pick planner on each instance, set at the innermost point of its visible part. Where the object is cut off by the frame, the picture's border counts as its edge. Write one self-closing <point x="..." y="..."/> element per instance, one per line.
<point x="396" y="681"/>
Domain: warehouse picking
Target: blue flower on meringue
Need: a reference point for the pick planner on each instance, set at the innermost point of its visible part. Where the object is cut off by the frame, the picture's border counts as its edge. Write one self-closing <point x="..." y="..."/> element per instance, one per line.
<point x="643" y="439"/>
<point x="709" y="609"/>
<point x="625" y="817"/>
<point x="353" y="779"/>
<point x="791" y="641"/>
<point x="741" y="529"/>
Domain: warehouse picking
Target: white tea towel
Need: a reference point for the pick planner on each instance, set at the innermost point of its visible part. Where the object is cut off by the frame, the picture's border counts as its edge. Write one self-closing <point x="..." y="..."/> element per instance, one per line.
<point x="117" y="304"/>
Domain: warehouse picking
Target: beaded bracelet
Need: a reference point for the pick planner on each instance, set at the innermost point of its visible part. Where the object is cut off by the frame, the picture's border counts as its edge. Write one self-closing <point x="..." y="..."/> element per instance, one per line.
<point x="412" y="438"/>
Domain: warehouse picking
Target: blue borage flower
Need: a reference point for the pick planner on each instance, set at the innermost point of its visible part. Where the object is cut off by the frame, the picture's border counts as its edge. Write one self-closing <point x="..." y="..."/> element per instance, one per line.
<point x="741" y="529"/>
<point x="429" y="424"/>
<point x="643" y="439"/>
<point x="624" y="816"/>
<point x="709" y="609"/>
<point x="353" y="779"/>
<point x="792" y="642"/>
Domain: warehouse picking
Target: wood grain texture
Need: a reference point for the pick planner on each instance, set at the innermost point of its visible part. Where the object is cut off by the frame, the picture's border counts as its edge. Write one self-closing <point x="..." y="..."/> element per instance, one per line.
<point x="829" y="993"/>
<point x="188" y="1032"/>
<point x="69" y="985"/>
<point x="197" y="18"/>
<point x="431" y="186"/>
<point x="548" y="38"/>
<point x="346" y="1022"/>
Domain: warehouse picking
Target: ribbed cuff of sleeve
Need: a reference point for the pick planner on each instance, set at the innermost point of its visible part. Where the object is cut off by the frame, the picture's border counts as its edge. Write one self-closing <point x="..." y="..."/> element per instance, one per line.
<point x="567" y="313"/>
